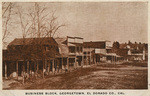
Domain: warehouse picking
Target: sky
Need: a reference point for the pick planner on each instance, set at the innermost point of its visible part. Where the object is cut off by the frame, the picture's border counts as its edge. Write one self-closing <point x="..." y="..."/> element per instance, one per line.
<point x="97" y="21"/>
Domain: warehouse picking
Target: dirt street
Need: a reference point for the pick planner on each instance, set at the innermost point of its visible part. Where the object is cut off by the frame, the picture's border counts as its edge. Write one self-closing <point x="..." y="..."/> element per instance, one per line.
<point x="102" y="76"/>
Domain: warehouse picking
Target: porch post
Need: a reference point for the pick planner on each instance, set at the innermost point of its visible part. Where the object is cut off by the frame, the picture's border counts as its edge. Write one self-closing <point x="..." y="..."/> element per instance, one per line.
<point x="95" y="58"/>
<point x="43" y="61"/>
<point x="57" y="63"/>
<point x="5" y="70"/>
<point x="75" y="62"/>
<point x="37" y="66"/>
<point x="113" y="59"/>
<point x="23" y="70"/>
<point x="68" y="64"/>
<point x="48" y="67"/>
<point x="62" y="63"/>
<point x="90" y="56"/>
<point x="28" y="67"/>
<point x="53" y="66"/>
<point x="82" y="60"/>
<point x="17" y="69"/>
<point x="58" y="66"/>
<point x="75" y="57"/>
<point x="86" y="59"/>
<point x="45" y="67"/>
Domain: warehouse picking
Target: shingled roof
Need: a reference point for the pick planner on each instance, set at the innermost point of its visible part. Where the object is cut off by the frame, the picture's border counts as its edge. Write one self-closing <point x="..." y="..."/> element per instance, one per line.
<point x="31" y="53"/>
<point x="30" y="41"/>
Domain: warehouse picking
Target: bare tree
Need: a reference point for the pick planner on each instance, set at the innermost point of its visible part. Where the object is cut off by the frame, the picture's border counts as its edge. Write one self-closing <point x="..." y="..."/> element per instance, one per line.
<point x="35" y="23"/>
<point x="6" y="17"/>
<point x="24" y="49"/>
<point x="52" y="25"/>
<point x="43" y="25"/>
<point x="44" y="22"/>
<point x="38" y="24"/>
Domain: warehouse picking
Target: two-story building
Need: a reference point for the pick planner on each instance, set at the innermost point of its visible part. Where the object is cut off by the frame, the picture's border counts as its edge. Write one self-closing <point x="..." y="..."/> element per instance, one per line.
<point x="71" y="50"/>
<point x="31" y="55"/>
<point x="136" y="51"/>
<point x="95" y="52"/>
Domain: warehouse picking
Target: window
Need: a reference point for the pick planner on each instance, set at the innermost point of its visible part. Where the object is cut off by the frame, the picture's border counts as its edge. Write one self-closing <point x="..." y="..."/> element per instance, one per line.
<point x="78" y="49"/>
<point x="71" y="49"/>
<point x="81" y="49"/>
<point x="46" y="48"/>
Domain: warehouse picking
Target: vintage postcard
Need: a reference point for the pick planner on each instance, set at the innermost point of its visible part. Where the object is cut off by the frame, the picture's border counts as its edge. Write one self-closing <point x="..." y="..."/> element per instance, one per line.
<point x="74" y="48"/>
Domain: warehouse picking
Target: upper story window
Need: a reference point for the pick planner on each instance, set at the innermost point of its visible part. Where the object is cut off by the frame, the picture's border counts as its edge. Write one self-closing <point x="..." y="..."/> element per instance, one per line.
<point x="78" y="49"/>
<point x="12" y="48"/>
<point x="81" y="49"/>
<point x="72" y="49"/>
<point x="47" y="48"/>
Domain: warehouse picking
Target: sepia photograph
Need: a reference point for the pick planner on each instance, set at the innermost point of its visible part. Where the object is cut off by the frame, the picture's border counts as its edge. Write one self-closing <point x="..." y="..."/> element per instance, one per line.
<point x="74" y="45"/>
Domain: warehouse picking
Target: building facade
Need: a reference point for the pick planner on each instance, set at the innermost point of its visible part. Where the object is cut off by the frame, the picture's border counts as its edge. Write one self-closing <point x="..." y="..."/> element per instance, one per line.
<point x="136" y="51"/>
<point x="42" y="56"/>
<point x="31" y="55"/>
<point x="71" y="48"/>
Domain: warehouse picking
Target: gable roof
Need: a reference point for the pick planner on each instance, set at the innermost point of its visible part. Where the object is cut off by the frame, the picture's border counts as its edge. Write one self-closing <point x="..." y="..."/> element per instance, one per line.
<point x="31" y="52"/>
<point x="96" y="44"/>
<point x="30" y="41"/>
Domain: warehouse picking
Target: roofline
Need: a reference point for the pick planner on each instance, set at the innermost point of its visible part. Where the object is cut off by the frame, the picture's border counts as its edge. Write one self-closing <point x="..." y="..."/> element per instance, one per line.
<point x="30" y="38"/>
<point x="33" y="38"/>
<point x="74" y="37"/>
<point x="94" y="41"/>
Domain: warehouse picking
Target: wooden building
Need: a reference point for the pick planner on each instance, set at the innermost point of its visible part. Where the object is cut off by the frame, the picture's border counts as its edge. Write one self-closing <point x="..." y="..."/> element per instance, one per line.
<point x="71" y="49"/>
<point x="31" y="55"/>
<point x="94" y="52"/>
<point x="136" y="51"/>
